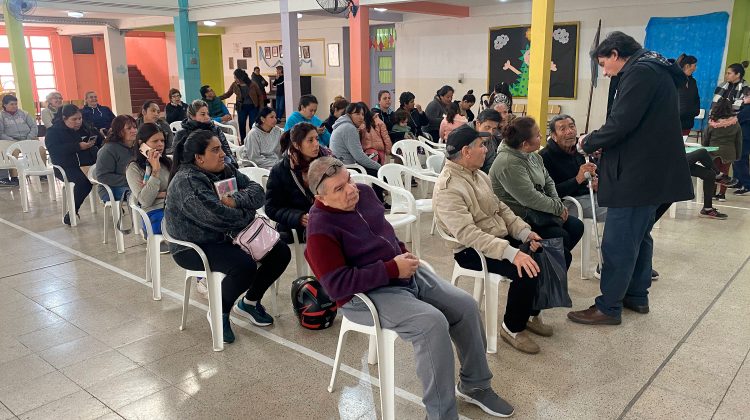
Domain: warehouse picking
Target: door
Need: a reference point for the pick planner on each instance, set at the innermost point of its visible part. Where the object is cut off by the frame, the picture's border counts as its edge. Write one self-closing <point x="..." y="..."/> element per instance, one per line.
<point x="382" y="61"/>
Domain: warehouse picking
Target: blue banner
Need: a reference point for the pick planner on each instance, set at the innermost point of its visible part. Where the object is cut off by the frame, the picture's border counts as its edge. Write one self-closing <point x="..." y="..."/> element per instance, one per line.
<point x="703" y="36"/>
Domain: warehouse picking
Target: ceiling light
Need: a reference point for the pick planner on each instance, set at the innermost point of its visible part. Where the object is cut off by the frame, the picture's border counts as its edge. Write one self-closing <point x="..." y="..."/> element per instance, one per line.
<point x="381" y="9"/>
<point x="299" y="15"/>
<point x="76" y="15"/>
<point x="209" y="23"/>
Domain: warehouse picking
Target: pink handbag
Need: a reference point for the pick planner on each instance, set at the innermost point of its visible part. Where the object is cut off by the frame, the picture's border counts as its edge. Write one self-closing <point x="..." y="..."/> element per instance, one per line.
<point x="258" y="238"/>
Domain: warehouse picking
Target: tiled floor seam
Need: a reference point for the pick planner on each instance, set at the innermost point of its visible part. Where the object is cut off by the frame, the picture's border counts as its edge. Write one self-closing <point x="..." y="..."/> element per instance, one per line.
<point x="38" y="268"/>
<point x="408" y="396"/>
<point x="730" y="384"/>
<point x="684" y="338"/>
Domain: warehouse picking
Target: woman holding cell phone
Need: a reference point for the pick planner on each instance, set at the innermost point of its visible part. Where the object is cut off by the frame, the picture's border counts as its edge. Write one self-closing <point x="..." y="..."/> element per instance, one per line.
<point x="148" y="175"/>
<point x="73" y="147"/>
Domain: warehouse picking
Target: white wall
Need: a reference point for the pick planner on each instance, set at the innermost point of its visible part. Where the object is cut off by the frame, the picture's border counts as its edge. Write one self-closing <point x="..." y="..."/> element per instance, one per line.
<point x="432" y="51"/>
<point x="324" y="88"/>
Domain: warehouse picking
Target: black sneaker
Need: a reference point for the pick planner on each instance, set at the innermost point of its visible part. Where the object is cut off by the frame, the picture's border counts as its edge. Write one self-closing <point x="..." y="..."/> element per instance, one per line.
<point x="654" y="275"/>
<point x="741" y="191"/>
<point x="5" y="182"/>
<point x="720" y="197"/>
<point x="487" y="400"/>
<point x="712" y="214"/>
<point x="727" y="181"/>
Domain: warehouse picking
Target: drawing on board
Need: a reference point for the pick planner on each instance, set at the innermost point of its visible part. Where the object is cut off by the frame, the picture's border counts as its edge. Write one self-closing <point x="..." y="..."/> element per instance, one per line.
<point x="510" y="51"/>
<point x="313" y="56"/>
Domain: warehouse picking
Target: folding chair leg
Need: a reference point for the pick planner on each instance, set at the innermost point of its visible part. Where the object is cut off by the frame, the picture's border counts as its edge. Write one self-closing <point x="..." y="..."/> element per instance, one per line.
<point x="119" y="239"/>
<point x="490" y="314"/>
<point x="386" y="370"/>
<point x="104" y="241"/>
<point x="186" y="301"/>
<point x="92" y="200"/>
<point x="154" y="265"/>
<point x="52" y="187"/>
<point x="214" y="307"/>
<point x="23" y="183"/>
<point x="372" y="350"/>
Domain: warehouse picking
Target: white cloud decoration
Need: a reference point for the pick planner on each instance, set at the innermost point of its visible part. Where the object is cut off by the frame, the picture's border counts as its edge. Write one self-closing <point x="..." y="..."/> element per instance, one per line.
<point x="501" y="41"/>
<point x="561" y="35"/>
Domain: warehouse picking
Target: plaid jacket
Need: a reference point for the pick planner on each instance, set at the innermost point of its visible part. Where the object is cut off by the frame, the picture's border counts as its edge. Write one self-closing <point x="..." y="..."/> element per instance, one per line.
<point x="733" y="92"/>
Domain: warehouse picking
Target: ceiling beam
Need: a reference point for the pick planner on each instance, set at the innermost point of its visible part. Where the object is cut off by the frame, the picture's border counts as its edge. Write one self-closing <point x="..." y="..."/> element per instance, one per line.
<point x="427" y="8"/>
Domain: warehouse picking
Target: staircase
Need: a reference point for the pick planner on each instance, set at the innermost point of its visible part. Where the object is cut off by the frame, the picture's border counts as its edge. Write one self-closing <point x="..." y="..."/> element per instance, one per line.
<point x="141" y="90"/>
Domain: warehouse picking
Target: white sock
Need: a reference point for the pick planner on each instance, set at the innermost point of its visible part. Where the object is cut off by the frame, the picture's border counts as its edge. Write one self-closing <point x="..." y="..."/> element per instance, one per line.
<point x="512" y="334"/>
<point x="249" y="302"/>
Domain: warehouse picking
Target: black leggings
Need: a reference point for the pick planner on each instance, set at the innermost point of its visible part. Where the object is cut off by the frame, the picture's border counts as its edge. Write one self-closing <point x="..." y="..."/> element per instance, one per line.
<point x="521" y="292"/>
<point x="571" y="232"/>
<point x="706" y="171"/>
<point x="242" y="272"/>
<point x="82" y="185"/>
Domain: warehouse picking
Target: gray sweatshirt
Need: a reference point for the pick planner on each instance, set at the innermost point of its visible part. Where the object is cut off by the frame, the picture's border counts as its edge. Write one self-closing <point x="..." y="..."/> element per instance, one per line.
<point x="346" y="145"/>
<point x="434" y="112"/>
<point x="112" y="162"/>
<point x="18" y="126"/>
<point x="263" y="148"/>
<point x="145" y="194"/>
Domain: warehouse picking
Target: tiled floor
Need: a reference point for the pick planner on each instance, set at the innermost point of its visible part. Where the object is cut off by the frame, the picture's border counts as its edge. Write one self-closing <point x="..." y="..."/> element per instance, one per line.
<point x="82" y="338"/>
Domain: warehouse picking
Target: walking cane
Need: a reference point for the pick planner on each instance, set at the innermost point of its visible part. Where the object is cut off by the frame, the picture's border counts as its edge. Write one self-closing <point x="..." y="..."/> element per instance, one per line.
<point x="588" y="177"/>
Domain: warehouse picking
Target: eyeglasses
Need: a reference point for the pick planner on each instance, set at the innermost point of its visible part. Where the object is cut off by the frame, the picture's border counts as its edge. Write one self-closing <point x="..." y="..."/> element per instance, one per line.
<point x="177" y="95"/>
<point x="331" y="171"/>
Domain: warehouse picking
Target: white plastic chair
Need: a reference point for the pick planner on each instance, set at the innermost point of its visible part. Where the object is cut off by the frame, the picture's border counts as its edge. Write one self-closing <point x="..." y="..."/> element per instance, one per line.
<point x="381" y="350"/>
<point x="260" y="176"/>
<point x="68" y="202"/>
<point x="435" y="163"/>
<point x="434" y="145"/>
<point x="5" y="161"/>
<point x="407" y="151"/>
<point x="355" y="168"/>
<point x="30" y="164"/>
<point x="588" y="228"/>
<point x="483" y="279"/>
<point x="114" y="207"/>
<point x="230" y="132"/>
<point x="407" y="215"/>
<point x="153" y="241"/>
<point x="175" y="126"/>
<point x="394" y="174"/>
<point x="213" y="280"/>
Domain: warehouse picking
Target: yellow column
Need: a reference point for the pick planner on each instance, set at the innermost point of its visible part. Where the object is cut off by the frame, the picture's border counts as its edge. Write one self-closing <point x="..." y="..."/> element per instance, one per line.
<point x="20" y="62"/>
<point x="542" y="19"/>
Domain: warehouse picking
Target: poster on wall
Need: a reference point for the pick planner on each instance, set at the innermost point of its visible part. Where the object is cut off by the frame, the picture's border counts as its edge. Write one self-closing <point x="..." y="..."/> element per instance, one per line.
<point x="312" y="56"/>
<point x="242" y="64"/>
<point x="509" y="55"/>
<point x="247" y="52"/>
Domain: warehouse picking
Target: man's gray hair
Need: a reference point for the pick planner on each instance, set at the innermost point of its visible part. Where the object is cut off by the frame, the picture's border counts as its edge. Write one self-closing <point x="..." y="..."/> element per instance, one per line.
<point x="555" y="119"/>
<point x="86" y="95"/>
<point x="316" y="174"/>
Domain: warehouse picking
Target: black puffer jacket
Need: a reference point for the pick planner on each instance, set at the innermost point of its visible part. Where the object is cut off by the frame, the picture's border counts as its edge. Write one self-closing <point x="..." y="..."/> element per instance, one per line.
<point x="188" y="126"/>
<point x="690" y="103"/>
<point x="63" y="145"/>
<point x="287" y="197"/>
<point x="643" y="161"/>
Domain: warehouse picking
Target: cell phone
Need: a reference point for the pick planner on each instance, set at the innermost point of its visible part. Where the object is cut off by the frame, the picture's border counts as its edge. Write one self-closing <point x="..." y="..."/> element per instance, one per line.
<point x="145" y="149"/>
<point x="92" y="139"/>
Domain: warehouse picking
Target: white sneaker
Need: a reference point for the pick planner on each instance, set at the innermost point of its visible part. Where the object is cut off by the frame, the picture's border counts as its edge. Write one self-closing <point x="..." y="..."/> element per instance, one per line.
<point x="598" y="272"/>
<point x="201" y="286"/>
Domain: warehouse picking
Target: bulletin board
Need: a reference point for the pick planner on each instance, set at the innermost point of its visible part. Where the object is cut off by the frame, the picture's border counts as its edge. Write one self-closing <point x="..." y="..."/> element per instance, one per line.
<point x="509" y="54"/>
<point x="312" y="56"/>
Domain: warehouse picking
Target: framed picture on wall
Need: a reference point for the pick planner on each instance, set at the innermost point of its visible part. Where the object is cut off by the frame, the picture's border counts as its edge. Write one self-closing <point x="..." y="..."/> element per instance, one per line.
<point x="333" y="55"/>
<point x="267" y="52"/>
<point x="274" y="51"/>
<point x="247" y="52"/>
<point x="281" y="52"/>
<point x="306" y="52"/>
<point x="231" y="63"/>
<point x="242" y="64"/>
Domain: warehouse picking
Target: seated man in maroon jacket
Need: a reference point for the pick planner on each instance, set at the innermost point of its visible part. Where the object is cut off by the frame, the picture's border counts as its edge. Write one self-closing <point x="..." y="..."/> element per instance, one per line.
<point x="352" y="248"/>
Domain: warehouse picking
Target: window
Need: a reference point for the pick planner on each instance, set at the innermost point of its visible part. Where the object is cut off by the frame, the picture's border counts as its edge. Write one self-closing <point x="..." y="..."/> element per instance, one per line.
<point x="385" y="70"/>
<point x="42" y="69"/>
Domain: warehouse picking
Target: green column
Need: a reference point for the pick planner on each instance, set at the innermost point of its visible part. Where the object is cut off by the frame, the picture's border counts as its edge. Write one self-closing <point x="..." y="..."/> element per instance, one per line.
<point x="738" y="48"/>
<point x="20" y="62"/>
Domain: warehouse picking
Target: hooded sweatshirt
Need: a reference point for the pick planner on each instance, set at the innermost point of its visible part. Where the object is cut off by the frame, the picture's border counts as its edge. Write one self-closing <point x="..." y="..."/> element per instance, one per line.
<point x="377" y="139"/>
<point x="296" y="118"/>
<point x="725" y="134"/>
<point x="346" y="145"/>
<point x="263" y="148"/>
<point x="18" y="126"/>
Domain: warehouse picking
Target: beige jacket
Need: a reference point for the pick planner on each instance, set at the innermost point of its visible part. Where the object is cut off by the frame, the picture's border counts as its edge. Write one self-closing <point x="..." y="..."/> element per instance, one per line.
<point x="467" y="209"/>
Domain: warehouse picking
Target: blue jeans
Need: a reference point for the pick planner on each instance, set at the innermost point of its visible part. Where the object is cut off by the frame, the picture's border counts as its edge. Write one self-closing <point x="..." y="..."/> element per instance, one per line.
<point x="245" y="112"/>
<point x="155" y="217"/>
<point x="117" y="192"/>
<point x="627" y="249"/>
<point x="742" y="171"/>
<point x="280" y="106"/>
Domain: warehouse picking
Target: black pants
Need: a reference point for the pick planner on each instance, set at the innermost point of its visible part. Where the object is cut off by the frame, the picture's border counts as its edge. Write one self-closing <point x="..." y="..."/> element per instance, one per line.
<point x="242" y="272"/>
<point x="378" y="190"/>
<point x="571" y="232"/>
<point x="521" y="292"/>
<point x="706" y="171"/>
<point x="82" y="185"/>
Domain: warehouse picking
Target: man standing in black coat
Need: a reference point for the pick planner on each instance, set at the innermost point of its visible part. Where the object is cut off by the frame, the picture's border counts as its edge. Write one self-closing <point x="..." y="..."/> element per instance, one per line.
<point x="643" y="165"/>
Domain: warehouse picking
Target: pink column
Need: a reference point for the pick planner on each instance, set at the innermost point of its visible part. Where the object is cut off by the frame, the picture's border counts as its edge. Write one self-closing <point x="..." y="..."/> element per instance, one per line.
<point x="359" y="55"/>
